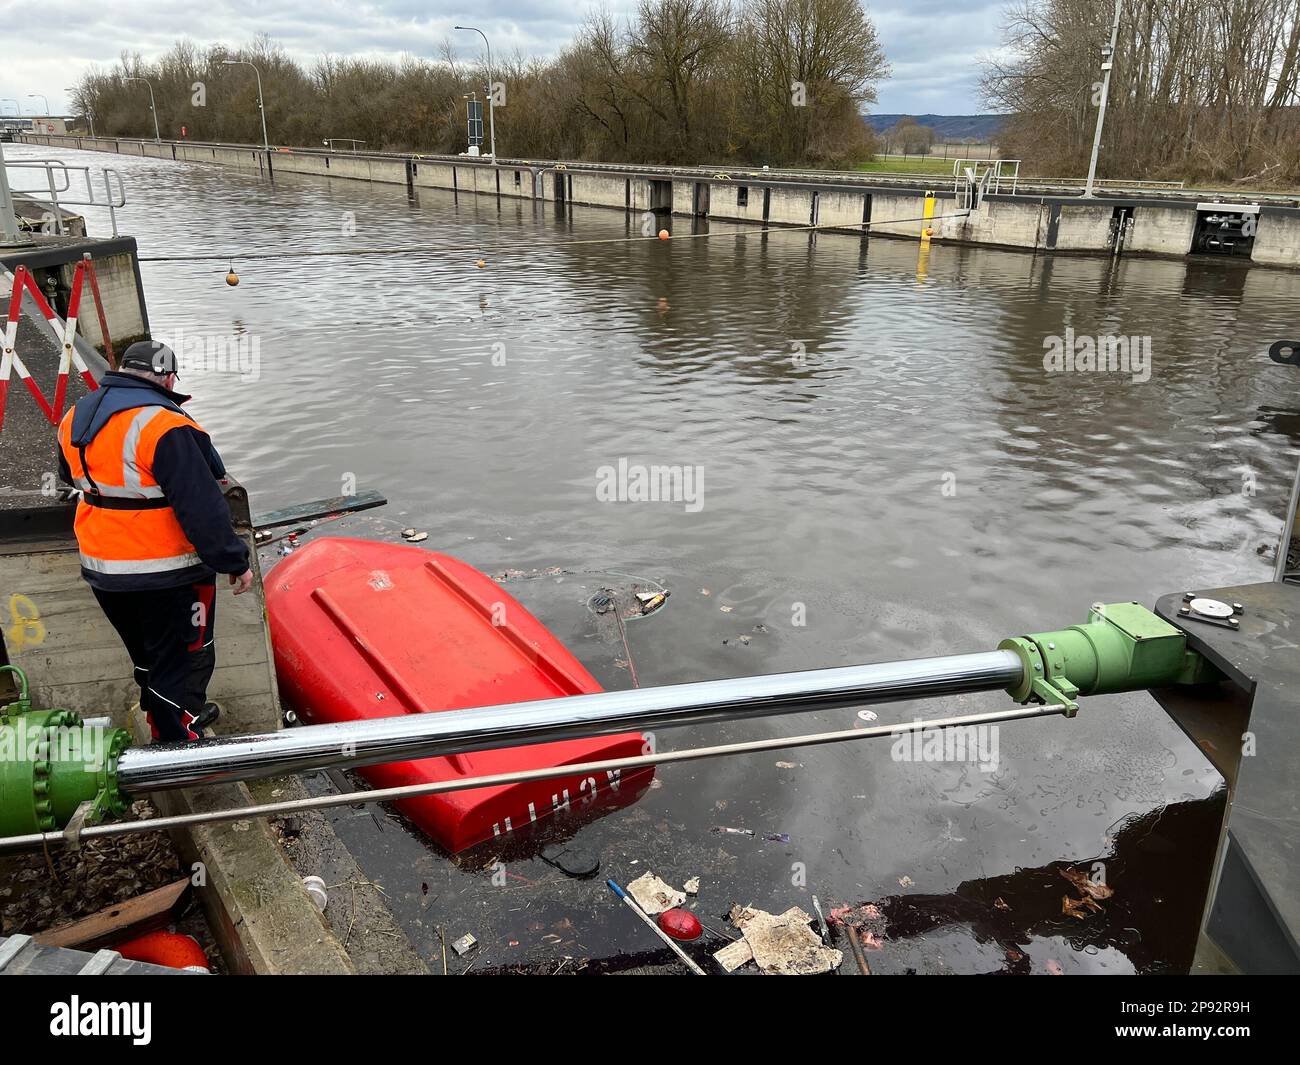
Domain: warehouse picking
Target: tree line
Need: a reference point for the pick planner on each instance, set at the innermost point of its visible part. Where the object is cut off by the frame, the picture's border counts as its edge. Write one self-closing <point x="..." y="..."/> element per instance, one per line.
<point x="781" y="82"/>
<point x="1201" y="90"/>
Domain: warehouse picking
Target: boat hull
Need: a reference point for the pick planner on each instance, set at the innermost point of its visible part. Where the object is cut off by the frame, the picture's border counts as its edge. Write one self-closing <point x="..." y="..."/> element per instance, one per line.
<point x="365" y="630"/>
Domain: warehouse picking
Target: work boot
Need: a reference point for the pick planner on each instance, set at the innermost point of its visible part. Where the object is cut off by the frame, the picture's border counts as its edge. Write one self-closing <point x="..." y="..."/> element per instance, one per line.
<point x="207" y="716"/>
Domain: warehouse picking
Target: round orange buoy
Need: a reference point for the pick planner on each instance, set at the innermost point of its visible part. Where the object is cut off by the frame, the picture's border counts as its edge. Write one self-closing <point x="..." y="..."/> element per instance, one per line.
<point x="171" y="949"/>
<point x="664" y="234"/>
<point x="680" y="924"/>
<point x="481" y="263"/>
<point x="232" y="278"/>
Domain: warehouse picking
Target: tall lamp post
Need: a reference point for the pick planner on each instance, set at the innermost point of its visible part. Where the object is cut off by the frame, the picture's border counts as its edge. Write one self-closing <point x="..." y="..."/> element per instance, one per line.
<point x="261" y="103"/>
<point x="1107" y="63"/>
<point x="9" y="234"/>
<point x="492" y="114"/>
<point x="157" y="137"/>
<point x="46" y="99"/>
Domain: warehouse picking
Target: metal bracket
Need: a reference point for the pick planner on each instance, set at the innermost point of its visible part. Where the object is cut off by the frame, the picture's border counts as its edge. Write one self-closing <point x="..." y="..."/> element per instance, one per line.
<point x="1211" y="611"/>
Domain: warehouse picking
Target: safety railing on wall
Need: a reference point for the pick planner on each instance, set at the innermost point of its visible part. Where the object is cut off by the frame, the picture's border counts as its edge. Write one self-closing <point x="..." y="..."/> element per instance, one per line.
<point x="58" y="186"/>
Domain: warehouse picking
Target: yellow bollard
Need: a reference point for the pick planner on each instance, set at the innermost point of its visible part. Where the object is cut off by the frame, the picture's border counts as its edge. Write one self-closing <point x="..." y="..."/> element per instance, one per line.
<point x="927" y="230"/>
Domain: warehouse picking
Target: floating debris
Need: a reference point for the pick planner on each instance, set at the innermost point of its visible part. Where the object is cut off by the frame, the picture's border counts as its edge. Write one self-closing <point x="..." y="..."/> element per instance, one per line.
<point x="572" y="860"/>
<point x="464" y="945"/>
<point x="734" y="955"/>
<point x="654" y="895"/>
<point x="905" y="881"/>
<point x="681" y="924"/>
<point x="1079" y="907"/>
<point x="413" y="537"/>
<point x="784" y="945"/>
<point x="726" y="831"/>
<point x="651" y="601"/>
<point x="692" y="886"/>
<point x="1086" y="884"/>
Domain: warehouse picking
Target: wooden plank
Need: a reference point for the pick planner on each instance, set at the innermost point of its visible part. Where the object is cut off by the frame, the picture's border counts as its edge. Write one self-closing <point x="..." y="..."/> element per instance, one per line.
<point x="123" y="920"/>
<point x="319" y="508"/>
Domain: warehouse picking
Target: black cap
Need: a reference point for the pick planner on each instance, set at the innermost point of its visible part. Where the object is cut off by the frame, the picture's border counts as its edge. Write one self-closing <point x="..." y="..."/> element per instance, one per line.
<point x="150" y="356"/>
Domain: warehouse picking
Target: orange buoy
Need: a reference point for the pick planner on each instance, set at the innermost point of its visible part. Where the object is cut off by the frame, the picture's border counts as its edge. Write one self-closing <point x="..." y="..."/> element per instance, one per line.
<point x="171" y="949"/>
<point x="664" y="234"/>
<point x="481" y="263"/>
<point x="232" y="278"/>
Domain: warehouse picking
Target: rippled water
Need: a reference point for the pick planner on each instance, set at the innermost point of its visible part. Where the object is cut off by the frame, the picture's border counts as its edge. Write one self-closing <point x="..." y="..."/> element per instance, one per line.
<point x="913" y="484"/>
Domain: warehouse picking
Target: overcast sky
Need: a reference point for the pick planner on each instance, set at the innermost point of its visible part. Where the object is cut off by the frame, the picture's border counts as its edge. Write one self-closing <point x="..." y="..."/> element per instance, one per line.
<point x="933" y="45"/>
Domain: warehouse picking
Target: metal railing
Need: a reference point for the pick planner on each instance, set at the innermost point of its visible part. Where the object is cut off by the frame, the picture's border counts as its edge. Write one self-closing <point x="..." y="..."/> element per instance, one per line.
<point x="57" y="192"/>
<point x="988" y="174"/>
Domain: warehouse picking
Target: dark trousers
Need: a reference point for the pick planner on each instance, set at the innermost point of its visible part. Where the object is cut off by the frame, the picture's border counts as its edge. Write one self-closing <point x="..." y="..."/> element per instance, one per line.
<point x="168" y="632"/>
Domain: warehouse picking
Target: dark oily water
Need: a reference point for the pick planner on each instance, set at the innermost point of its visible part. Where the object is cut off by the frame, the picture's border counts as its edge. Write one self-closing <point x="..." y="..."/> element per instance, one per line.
<point x="881" y="468"/>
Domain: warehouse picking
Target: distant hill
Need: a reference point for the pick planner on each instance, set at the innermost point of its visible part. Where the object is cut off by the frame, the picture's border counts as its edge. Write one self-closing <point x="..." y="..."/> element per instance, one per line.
<point x="983" y="128"/>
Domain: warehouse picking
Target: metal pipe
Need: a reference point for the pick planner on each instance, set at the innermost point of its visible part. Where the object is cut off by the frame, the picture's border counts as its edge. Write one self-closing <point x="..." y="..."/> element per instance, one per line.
<point x="368" y="742"/>
<point x="609" y="765"/>
<point x="1288" y="529"/>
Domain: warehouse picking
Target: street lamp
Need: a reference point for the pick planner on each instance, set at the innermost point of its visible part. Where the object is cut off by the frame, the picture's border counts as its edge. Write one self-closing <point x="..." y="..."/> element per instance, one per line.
<point x="1107" y="64"/>
<point x="89" y="115"/>
<point x="33" y="95"/>
<point x="157" y="137"/>
<point x="261" y="106"/>
<point x="492" y="115"/>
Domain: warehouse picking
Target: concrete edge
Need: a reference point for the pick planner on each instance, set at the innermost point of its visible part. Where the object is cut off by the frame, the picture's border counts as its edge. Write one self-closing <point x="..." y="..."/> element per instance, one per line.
<point x="259" y="911"/>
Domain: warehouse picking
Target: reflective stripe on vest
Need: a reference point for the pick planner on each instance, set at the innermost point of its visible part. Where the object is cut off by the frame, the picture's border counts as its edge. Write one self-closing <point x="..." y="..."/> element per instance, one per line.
<point x="144" y="565"/>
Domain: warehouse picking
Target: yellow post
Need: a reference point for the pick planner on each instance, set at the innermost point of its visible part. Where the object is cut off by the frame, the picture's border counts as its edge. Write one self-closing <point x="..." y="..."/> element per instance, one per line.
<point x="927" y="229"/>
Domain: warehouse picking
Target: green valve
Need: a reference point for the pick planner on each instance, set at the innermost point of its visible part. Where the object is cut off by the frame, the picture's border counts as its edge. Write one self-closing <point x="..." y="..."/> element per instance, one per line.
<point x="50" y="763"/>
<point x="1121" y="647"/>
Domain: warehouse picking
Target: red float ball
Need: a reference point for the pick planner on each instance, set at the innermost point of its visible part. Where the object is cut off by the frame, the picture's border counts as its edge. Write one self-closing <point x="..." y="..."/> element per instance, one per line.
<point x="680" y="924"/>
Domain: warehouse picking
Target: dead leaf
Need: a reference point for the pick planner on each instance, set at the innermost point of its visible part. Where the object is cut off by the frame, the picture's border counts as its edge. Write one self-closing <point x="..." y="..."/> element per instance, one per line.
<point x="1086" y="884"/>
<point x="1078" y="907"/>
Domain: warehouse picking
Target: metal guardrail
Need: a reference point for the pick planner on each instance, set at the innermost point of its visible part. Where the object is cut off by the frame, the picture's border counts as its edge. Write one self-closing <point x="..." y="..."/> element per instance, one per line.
<point x="1024" y="185"/>
<point x="57" y="192"/>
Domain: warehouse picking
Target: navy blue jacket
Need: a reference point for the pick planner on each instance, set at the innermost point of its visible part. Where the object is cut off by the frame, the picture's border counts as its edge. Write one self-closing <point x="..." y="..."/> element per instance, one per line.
<point x="186" y="467"/>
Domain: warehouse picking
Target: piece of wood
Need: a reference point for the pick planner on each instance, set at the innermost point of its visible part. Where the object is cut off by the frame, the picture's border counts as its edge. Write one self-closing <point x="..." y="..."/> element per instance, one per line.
<point x="319" y="508"/>
<point x="126" y="919"/>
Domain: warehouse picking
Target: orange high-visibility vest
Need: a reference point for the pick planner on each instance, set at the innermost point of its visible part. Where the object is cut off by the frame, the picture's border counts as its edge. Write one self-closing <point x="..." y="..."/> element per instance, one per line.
<point x="124" y="524"/>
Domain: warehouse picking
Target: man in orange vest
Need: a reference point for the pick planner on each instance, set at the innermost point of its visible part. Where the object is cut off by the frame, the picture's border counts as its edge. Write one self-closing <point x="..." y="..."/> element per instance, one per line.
<point x="153" y="529"/>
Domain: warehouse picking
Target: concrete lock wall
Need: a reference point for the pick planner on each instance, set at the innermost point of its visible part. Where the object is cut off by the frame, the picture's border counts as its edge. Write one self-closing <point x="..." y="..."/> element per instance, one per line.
<point x="1277" y="241"/>
<point x="1161" y="230"/>
<point x="119" y="289"/>
<point x="1162" y="225"/>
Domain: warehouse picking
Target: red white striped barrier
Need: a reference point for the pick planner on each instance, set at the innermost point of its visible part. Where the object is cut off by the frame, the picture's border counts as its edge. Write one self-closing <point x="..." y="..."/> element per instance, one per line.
<point x="65" y="333"/>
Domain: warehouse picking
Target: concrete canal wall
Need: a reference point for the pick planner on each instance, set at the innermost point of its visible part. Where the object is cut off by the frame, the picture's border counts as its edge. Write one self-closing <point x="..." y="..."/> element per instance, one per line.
<point x="1164" y="223"/>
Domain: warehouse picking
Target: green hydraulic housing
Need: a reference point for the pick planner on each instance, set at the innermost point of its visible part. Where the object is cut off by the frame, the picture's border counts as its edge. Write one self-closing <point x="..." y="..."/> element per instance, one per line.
<point x="54" y="767"/>
<point x="51" y="763"/>
<point x="1122" y="647"/>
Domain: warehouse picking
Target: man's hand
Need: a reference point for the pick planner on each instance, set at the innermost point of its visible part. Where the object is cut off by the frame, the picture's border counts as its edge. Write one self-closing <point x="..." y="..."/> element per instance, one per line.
<point x="243" y="582"/>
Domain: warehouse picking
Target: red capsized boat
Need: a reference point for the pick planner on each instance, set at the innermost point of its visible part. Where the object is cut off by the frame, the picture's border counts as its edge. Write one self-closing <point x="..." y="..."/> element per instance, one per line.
<point x="366" y="630"/>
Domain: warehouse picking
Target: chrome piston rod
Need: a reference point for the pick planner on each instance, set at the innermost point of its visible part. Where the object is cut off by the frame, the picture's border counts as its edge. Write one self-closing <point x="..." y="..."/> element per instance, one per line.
<point x="408" y="736"/>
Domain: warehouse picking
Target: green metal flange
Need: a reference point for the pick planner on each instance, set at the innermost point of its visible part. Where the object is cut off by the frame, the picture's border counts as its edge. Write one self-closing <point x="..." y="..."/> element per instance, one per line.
<point x="1121" y="647"/>
<point x="50" y="763"/>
